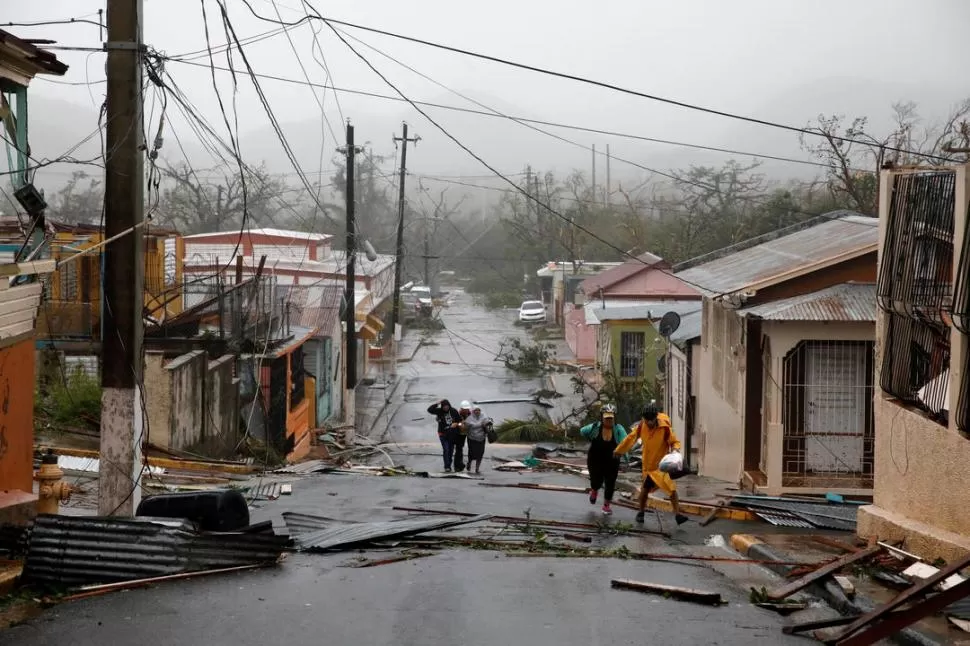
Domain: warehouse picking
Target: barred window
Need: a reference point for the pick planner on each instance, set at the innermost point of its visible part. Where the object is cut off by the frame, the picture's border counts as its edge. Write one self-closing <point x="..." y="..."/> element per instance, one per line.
<point x="631" y="354"/>
<point x="961" y="295"/>
<point x="916" y="277"/>
<point x="916" y="364"/>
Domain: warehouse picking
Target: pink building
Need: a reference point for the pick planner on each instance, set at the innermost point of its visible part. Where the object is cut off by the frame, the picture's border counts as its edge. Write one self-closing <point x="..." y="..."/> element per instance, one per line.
<point x="646" y="280"/>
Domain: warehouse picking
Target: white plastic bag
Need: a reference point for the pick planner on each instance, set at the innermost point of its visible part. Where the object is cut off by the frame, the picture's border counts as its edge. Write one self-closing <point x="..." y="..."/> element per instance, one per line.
<point x="672" y="462"/>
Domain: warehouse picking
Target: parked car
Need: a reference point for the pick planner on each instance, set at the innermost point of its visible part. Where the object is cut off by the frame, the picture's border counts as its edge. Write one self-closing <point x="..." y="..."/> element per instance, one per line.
<point x="423" y="295"/>
<point x="532" y="312"/>
<point x="410" y="307"/>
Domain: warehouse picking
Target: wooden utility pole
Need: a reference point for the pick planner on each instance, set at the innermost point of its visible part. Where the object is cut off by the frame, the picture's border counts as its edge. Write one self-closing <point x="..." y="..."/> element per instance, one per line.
<point x="399" y="260"/>
<point x="350" y="318"/>
<point x="594" y="173"/>
<point x="119" y="489"/>
<point x="606" y="193"/>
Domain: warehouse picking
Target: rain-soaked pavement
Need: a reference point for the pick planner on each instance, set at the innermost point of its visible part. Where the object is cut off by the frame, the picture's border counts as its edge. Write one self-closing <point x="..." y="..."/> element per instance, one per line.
<point x="455" y="596"/>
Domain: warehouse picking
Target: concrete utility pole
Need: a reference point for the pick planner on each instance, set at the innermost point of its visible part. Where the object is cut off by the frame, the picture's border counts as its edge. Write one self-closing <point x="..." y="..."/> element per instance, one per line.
<point x="594" y="173"/>
<point x="399" y="260"/>
<point x="119" y="489"/>
<point x="350" y="319"/>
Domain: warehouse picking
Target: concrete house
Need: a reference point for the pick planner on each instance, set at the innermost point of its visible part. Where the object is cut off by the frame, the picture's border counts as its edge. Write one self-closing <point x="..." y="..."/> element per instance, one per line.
<point x="786" y="355"/>
<point x="681" y="383"/>
<point x="559" y="283"/>
<point x="922" y="399"/>
<point x="639" y="282"/>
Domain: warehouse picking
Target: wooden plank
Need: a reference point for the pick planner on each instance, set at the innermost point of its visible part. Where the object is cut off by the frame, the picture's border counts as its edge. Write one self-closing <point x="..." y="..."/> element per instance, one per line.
<point x="28" y="303"/>
<point x="686" y="594"/>
<point x="907" y="595"/>
<point x="821" y="624"/>
<point x="836" y="543"/>
<point x="712" y="514"/>
<point x="28" y="268"/>
<point x="16" y="330"/>
<point x="822" y="572"/>
<point x="8" y="293"/>
<point x="15" y="318"/>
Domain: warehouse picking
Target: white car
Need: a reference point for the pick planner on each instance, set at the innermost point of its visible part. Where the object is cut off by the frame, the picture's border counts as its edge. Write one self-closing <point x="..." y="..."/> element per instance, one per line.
<point x="532" y="312"/>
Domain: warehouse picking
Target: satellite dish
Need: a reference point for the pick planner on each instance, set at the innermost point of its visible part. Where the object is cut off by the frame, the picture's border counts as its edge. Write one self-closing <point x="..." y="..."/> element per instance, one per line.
<point x="662" y="363"/>
<point x="669" y="324"/>
<point x="371" y="254"/>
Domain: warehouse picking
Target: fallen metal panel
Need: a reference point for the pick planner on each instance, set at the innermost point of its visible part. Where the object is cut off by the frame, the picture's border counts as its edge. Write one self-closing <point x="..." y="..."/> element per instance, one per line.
<point x="303" y="468"/>
<point x="72" y="550"/>
<point x="782" y="520"/>
<point x="299" y="523"/>
<point x="824" y="522"/>
<point x="349" y="535"/>
<point x="846" y="513"/>
<point x="959" y="609"/>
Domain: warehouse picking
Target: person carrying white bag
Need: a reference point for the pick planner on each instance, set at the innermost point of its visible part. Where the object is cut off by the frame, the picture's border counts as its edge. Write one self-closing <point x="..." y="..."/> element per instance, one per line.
<point x="660" y="450"/>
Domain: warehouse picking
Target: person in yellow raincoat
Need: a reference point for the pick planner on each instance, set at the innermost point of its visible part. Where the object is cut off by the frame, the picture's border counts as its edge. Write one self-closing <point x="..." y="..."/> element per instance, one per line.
<point x="657" y="439"/>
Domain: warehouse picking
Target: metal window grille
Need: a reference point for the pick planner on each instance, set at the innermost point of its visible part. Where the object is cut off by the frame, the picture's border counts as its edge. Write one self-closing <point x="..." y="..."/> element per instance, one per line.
<point x="828" y="437"/>
<point x="631" y="354"/>
<point x="681" y="387"/>
<point x="67" y="275"/>
<point x="961" y="294"/>
<point x="963" y="406"/>
<point x="916" y="364"/>
<point x="916" y="276"/>
<point x="297" y="377"/>
<point x="767" y="414"/>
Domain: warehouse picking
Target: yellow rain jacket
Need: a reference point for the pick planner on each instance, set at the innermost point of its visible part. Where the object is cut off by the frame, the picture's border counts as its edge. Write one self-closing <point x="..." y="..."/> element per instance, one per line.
<point x="656" y="443"/>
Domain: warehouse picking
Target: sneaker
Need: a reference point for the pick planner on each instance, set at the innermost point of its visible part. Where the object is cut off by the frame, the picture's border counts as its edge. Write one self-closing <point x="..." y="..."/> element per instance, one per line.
<point x="448" y="470"/>
<point x="640" y="517"/>
<point x="592" y="496"/>
<point x="681" y="519"/>
<point x="607" y="509"/>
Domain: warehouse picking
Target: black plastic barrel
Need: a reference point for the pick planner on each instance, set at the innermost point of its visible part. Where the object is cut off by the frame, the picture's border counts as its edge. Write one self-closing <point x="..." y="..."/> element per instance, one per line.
<point x="212" y="511"/>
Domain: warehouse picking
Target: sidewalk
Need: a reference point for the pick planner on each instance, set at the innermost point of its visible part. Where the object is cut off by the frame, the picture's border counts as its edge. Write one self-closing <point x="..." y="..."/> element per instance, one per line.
<point x="571" y="406"/>
<point x="373" y="400"/>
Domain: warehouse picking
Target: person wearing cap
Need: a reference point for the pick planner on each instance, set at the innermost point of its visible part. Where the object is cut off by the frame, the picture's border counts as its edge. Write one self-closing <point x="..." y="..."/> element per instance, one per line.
<point x="657" y="439"/>
<point x="448" y="421"/>
<point x="476" y="429"/>
<point x="604" y="436"/>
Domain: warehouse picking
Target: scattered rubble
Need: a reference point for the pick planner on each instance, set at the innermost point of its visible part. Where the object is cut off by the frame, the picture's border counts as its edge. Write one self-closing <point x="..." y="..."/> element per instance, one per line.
<point x="686" y="594"/>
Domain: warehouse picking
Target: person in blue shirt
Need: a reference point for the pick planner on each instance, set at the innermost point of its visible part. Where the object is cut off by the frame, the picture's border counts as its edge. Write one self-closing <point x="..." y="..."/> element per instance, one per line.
<point x="604" y="436"/>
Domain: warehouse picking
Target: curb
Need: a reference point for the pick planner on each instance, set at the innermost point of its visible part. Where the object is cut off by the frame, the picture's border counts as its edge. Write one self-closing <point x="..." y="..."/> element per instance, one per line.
<point x="829" y="592"/>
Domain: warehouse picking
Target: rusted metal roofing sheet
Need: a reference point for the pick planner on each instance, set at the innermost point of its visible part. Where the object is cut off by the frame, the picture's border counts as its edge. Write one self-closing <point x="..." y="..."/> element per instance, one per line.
<point x="800" y="247"/>
<point x="75" y="550"/>
<point x="298" y="523"/>
<point x="845" y="302"/>
<point x="346" y="536"/>
<point x="783" y="520"/>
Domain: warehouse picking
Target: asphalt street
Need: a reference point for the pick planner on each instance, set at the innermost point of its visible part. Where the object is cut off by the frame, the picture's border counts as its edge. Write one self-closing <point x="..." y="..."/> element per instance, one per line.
<point x="456" y="596"/>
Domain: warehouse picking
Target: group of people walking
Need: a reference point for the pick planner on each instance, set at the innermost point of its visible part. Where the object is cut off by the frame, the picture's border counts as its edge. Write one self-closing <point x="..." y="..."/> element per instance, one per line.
<point x="455" y="427"/>
<point x="608" y="440"/>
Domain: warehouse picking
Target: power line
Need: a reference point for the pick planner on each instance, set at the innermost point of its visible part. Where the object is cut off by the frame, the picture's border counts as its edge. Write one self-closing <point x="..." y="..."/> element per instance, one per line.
<point x="601" y="84"/>
<point x="541" y="122"/>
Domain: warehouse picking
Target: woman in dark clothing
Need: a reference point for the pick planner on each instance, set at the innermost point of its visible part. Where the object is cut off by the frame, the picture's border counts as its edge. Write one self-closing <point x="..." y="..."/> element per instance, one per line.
<point x="449" y="421"/>
<point x="604" y="436"/>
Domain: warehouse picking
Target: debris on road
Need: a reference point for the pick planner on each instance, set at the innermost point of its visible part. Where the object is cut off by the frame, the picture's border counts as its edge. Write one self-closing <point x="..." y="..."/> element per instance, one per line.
<point x="394" y="559"/>
<point x="799" y="512"/>
<point x="80" y="550"/>
<point x="345" y="536"/>
<point x="685" y="594"/>
<point x="825" y="570"/>
<point x="87" y="591"/>
<point x="579" y="538"/>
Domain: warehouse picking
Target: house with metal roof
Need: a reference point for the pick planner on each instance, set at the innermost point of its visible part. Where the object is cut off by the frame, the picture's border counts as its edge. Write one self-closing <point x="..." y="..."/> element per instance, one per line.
<point x="679" y="375"/>
<point x="641" y="281"/>
<point x="784" y="376"/>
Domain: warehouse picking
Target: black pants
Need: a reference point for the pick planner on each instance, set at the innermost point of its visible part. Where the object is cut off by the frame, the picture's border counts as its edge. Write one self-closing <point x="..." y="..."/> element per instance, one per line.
<point x="458" y="448"/>
<point x="476" y="451"/>
<point x="603" y="471"/>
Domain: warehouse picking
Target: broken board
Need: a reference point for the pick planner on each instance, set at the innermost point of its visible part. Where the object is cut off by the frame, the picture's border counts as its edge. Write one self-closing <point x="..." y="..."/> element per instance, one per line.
<point x="684" y="594"/>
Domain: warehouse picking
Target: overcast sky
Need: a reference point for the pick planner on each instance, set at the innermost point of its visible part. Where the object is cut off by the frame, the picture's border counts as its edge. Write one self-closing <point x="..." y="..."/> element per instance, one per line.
<point x="778" y="59"/>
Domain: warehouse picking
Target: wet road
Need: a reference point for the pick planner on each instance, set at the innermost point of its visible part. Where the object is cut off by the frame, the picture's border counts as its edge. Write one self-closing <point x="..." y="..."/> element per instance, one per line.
<point x="456" y="597"/>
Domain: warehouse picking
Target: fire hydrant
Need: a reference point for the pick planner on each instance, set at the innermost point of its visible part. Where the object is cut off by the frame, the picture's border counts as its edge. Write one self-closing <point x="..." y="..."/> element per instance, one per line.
<point x="52" y="490"/>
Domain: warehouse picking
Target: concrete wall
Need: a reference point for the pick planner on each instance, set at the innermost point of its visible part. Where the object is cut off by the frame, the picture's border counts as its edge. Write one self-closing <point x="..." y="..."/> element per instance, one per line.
<point x="158" y="399"/>
<point x="191" y="401"/>
<point x="222" y="394"/>
<point x="187" y="414"/>
<point x="720" y="424"/>
<point x="580" y="338"/>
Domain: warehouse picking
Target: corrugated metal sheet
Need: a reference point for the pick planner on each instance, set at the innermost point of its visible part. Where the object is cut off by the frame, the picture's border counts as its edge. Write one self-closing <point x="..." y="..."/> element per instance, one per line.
<point x="821" y="515"/>
<point x="75" y="550"/>
<point x="652" y="311"/>
<point x="959" y="609"/>
<point x="346" y="536"/>
<point x="298" y="523"/>
<point x="311" y="466"/>
<point x="783" y="520"/>
<point x="689" y="329"/>
<point x="736" y="267"/>
<point x="827" y="522"/>
<point x="845" y="302"/>
<point x="614" y="275"/>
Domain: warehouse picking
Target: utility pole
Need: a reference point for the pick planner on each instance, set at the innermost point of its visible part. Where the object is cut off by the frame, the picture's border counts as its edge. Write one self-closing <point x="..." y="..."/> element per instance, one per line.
<point x="427" y="255"/>
<point x="606" y="193"/>
<point x="119" y="489"/>
<point x="594" y="173"/>
<point x="399" y="260"/>
<point x="350" y="320"/>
